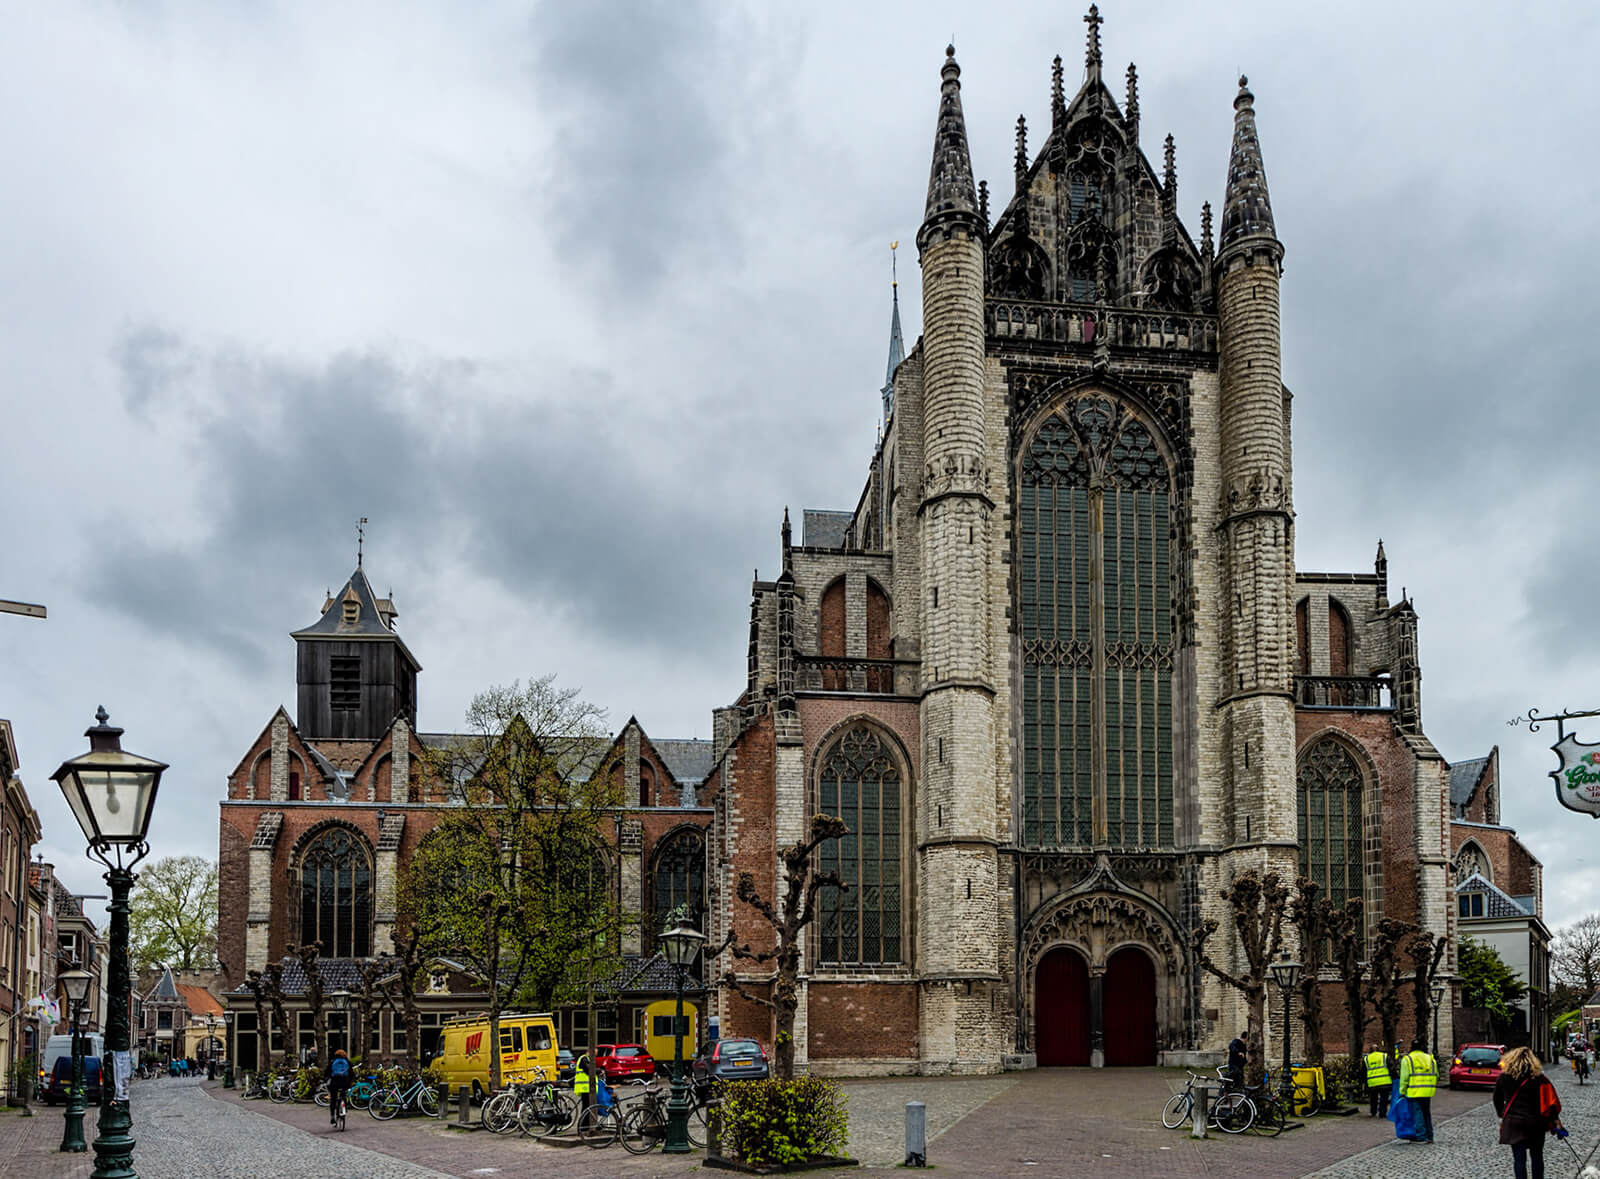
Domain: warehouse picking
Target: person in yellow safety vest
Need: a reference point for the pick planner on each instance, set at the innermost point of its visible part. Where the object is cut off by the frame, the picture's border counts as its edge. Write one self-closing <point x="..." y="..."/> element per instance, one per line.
<point x="1378" y="1082"/>
<point x="1419" y="1077"/>
<point x="583" y="1082"/>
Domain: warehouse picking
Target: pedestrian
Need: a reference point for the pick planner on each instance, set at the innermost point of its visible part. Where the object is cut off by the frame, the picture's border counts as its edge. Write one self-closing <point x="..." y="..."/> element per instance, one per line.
<point x="1419" y="1077"/>
<point x="583" y="1083"/>
<point x="1238" y="1054"/>
<point x="1378" y="1081"/>
<point x="1529" y="1109"/>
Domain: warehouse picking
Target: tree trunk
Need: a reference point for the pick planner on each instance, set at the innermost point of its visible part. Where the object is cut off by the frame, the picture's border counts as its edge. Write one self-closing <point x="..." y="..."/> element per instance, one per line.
<point x="1255" y="1033"/>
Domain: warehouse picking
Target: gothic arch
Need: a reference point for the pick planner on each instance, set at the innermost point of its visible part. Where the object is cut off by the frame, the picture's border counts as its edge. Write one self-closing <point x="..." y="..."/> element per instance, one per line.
<point x="1057" y="399"/>
<point x="671" y="872"/>
<point x="332" y="872"/>
<point x="1341" y="639"/>
<point x="1371" y="812"/>
<point x="1096" y="920"/>
<point x="880" y="902"/>
<point x="1469" y="858"/>
<point x="832" y="617"/>
<point x="880" y="620"/>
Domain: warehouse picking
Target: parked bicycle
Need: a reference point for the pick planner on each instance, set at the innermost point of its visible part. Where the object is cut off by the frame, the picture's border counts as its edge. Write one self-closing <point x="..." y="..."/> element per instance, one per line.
<point x="1232" y="1112"/>
<point x="386" y="1103"/>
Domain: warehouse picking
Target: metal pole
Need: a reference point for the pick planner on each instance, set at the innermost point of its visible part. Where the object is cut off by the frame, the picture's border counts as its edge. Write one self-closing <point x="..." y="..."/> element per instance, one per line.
<point x="72" y="1125"/>
<point x="113" y="1147"/>
<point x="678" y="1104"/>
<point x="916" y="1134"/>
<point x="1286" y="1081"/>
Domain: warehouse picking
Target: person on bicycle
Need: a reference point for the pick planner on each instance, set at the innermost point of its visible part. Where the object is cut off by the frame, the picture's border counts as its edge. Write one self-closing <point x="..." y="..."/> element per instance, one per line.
<point x="340" y="1075"/>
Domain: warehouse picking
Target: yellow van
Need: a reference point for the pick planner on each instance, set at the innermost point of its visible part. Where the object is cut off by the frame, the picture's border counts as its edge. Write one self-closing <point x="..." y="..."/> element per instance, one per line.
<point x="527" y="1043"/>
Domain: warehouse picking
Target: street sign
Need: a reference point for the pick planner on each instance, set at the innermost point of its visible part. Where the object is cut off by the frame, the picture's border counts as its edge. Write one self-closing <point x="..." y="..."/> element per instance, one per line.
<point x="1578" y="779"/>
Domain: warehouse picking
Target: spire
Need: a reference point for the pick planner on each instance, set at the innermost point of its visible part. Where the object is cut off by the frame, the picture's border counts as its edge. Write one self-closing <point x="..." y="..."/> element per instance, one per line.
<point x="361" y="537"/>
<point x="897" y="344"/>
<point x="1380" y="566"/>
<point x="1169" y="193"/>
<point x="1022" y="151"/>
<point x="950" y="191"/>
<point x="788" y="546"/>
<point x="1246" y="210"/>
<point x="1207" y="249"/>
<point x="1091" y="57"/>
<point x="1131" y="114"/>
<point x="1058" y="95"/>
<point x="983" y="204"/>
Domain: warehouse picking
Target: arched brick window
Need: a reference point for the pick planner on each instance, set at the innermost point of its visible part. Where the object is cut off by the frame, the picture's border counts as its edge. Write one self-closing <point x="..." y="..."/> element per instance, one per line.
<point x="1329" y="789"/>
<point x="1302" y="637"/>
<point x="877" y="622"/>
<point x="859" y="780"/>
<point x="336" y="894"/>
<point x="831" y="624"/>
<point x="1338" y="639"/>
<point x="679" y="877"/>
<point x="1094" y="593"/>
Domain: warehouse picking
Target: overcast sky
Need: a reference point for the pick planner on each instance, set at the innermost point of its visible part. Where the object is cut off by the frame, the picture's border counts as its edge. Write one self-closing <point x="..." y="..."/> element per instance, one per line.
<point x="572" y="299"/>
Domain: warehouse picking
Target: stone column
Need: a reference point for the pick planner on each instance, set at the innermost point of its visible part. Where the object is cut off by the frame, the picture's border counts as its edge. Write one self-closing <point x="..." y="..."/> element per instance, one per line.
<point x="631" y="849"/>
<point x="258" y="912"/>
<point x="400" y="763"/>
<point x="280" y="758"/>
<point x="391" y="830"/>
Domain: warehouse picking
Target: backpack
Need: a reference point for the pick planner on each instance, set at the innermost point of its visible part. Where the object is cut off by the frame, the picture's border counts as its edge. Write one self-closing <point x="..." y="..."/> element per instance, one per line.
<point x="340" y="1067"/>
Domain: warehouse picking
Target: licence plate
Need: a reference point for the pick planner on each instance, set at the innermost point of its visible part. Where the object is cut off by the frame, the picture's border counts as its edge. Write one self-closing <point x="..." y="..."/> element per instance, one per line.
<point x="744" y="1064"/>
<point x="1482" y="1072"/>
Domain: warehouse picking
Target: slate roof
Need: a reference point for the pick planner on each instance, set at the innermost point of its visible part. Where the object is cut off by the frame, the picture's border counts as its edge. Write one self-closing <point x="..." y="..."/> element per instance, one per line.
<point x="647" y="976"/>
<point x="1496" y="903"/>
<point x="824" y="530"/>
<point x="338" y="974"/>
<point x="165" y="987"/>
<point x="690" y="761"/>
<point x="369" y="622"/>
<point x="1464" y="776"/>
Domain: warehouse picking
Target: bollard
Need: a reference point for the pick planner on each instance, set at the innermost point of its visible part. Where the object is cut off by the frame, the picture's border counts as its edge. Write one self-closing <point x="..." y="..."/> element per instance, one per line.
<point x="1202" y="1115"/>
<point x="442" y="1092"/>
<point x="916" y="1134"/>
<point x="463" y="1106"/>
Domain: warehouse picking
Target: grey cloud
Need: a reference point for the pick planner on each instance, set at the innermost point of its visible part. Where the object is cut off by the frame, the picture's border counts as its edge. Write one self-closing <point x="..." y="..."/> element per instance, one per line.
<point x="149" y="360"/>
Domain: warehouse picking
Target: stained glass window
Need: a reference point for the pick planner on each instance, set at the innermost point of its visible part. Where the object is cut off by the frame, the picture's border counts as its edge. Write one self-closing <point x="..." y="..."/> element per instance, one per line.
<point x="336" y="895"/>
<point x="860" y="782"/>
<point x="1093" y="546"/>
<point x="680" y="878"/>
<point x="1329" y="787"/>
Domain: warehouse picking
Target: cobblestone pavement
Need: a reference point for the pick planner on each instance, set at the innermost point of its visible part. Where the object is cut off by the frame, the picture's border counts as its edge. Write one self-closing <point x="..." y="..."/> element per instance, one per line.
<point x="1468" y="1146"/>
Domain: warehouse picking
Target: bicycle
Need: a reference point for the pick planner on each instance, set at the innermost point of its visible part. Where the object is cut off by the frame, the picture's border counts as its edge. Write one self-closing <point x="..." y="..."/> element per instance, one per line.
<point x="1232" y="1112"/>
<point x="644" y="1127"/>
<point x="601" y="1123"/>
<point x="544" y="1109"/>
<point x="339" y="1109"/>
<point x="280" y="1090"/>
<point x="388" y="1102"/>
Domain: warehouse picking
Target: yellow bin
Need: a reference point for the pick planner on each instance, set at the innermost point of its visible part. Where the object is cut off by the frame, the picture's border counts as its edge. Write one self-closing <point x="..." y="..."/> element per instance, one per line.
<point x="1307" y="1080"/>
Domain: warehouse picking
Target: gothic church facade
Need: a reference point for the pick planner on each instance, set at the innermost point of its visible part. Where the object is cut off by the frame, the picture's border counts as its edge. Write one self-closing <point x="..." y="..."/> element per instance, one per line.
<point x="1056" y="670"/>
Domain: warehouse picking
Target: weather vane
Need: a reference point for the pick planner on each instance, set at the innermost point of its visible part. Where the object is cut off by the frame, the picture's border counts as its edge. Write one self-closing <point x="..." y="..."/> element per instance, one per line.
<point x="361" y="537"/>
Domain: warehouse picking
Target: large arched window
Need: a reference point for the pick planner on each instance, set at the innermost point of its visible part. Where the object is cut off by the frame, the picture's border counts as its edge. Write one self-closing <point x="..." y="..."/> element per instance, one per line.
<point x="1329" y="791"/>
<point x="336" y="894"/>
<point x="1095" y="606"/>
<point x="859" y="781"/>
<point x="680" y="877"/>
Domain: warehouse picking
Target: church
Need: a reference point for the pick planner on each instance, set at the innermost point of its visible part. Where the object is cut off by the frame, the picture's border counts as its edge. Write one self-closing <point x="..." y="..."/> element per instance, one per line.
<point x="1056" y="669"/>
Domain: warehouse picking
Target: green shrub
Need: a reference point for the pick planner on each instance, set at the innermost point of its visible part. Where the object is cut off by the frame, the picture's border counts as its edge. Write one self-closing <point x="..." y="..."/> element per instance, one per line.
<point x="771" y="1123"/>
<point x="1343" y="1078"/>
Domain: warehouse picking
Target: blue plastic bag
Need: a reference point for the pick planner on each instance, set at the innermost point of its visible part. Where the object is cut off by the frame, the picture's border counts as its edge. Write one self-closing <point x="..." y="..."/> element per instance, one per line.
<point x="1403" y="1113"/>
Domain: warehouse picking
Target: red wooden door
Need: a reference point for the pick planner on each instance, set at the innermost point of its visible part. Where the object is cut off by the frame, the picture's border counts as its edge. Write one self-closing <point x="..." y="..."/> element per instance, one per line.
<point x="1130" y="1008"/>
<point x="1061" y="1009"/>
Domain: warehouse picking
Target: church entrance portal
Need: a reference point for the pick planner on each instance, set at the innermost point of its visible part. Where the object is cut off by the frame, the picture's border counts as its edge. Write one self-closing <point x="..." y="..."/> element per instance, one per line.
<point x="1130" y="1008"/>
<point x="1061" y="1005"/>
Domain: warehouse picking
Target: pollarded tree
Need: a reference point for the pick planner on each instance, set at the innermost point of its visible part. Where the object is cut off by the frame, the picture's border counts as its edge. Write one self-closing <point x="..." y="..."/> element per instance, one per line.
<point x="1426" y="951"/>
<point x="1311" y="914"/>
<point x="801" y="884"/>
<point x="1347" y="937"/>
<point x="1256" y="905"/>
<point x="173" y="921"/>
<point x="1385" y="980"/>
<point x="308" y="956"/>
<point x="514" y="882"/>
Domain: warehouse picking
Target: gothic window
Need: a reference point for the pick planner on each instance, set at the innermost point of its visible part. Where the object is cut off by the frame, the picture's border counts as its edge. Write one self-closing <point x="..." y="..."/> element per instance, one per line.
<point x="1338" y="639"/>
<point x="1095" y="602"/>
<point x="1469" y="860"/>
<point x="680" y="878"/>
<point x="859" y="781"/>
<point x="336" y="894"/>
<point x="830" y="639"/>
<point x="1329" y="788"/>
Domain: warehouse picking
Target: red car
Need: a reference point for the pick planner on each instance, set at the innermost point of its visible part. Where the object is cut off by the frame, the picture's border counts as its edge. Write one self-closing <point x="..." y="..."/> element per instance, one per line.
<point x="622" y="1062"/>
<point x="1476" y="1064"/>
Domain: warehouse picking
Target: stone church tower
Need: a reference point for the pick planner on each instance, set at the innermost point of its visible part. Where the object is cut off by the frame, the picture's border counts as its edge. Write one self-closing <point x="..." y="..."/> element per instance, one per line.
<point x="1056" y="669"/>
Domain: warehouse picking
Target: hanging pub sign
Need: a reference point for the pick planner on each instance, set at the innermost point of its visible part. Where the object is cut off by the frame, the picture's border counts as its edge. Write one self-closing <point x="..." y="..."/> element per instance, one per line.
<point x="1578" y="779"/>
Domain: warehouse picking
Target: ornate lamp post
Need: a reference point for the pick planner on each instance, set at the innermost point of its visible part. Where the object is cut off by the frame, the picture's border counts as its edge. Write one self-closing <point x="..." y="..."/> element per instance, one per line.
<point x="111" y="794"/>
<point x="76" y="985"/>
<point x="227" y="1063"/>
<point x="680" y="944"/>
<point x="1437" y="989"/>
<point x="340" y="1002"/>
<point x="1286" y="973"/>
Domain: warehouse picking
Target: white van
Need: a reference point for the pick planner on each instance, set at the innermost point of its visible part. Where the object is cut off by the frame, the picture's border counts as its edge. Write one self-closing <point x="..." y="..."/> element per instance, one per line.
<point x="94" y="1044"/>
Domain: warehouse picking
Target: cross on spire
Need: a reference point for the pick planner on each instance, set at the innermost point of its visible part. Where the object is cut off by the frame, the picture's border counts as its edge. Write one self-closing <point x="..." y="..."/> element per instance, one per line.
<point x="1094" y="21"/>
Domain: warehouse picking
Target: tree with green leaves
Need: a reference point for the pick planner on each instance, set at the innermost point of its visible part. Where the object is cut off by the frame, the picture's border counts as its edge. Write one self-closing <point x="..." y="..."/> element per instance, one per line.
<point x="1487" y="982"/>
<point x="173" y="921"/>
<point x="515" y="882"/>
<point x="1256" y="905"/>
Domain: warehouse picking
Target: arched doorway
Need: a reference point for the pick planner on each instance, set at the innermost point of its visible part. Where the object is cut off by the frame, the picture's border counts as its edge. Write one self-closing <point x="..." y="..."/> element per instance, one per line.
<point x="1061" y="1006"/>
<point x="1130" y="1008"/>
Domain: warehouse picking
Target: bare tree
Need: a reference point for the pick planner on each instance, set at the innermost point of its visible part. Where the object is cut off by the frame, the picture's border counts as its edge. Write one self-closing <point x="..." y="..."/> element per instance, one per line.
<point x="1383" y="988"/>
<point x="257" y="987"/>
<point x="368" y="1001"/>
<point x="272" y="986"/>
<point x="1426" y="951"/>
<point x="400" y="989"/>
<point x="1311" y="913"/>
<point x="308" y="956"/>
<point x="1257" y="904"/>
<point x="802" y="883"/>
<point x="1347" y="933"/>
<point x="1575" y="955"/>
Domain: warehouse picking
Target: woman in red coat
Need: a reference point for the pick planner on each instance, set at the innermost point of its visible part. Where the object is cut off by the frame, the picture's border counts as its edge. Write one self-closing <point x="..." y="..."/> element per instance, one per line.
<point x="1529" y="1109"/>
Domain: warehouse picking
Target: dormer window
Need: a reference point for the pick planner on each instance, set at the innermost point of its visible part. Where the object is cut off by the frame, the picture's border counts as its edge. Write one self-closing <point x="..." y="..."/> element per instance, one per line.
<point x="352" y="611"/>
<point x="1470" y="904"/>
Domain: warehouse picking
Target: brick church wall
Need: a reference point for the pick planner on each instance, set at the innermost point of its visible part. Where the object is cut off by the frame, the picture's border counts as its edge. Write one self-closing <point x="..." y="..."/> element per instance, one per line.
<point x="863" y="1020"/>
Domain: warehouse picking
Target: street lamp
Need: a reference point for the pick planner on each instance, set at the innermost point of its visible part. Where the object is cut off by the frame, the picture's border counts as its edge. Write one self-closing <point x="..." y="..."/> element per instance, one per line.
<point x="680" y="944"/>
<point x="340" y="1002"/>
<point x="227" y="1063"/>
<point x="76" y="985"/>
<point x="111" y="794"/>
<point x="1438" y="989"/>
<point x="1286" y="973"/>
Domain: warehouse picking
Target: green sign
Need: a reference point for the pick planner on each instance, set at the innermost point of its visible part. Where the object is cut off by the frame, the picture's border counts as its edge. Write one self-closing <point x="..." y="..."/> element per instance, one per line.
<point x="1578" y="779"/>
